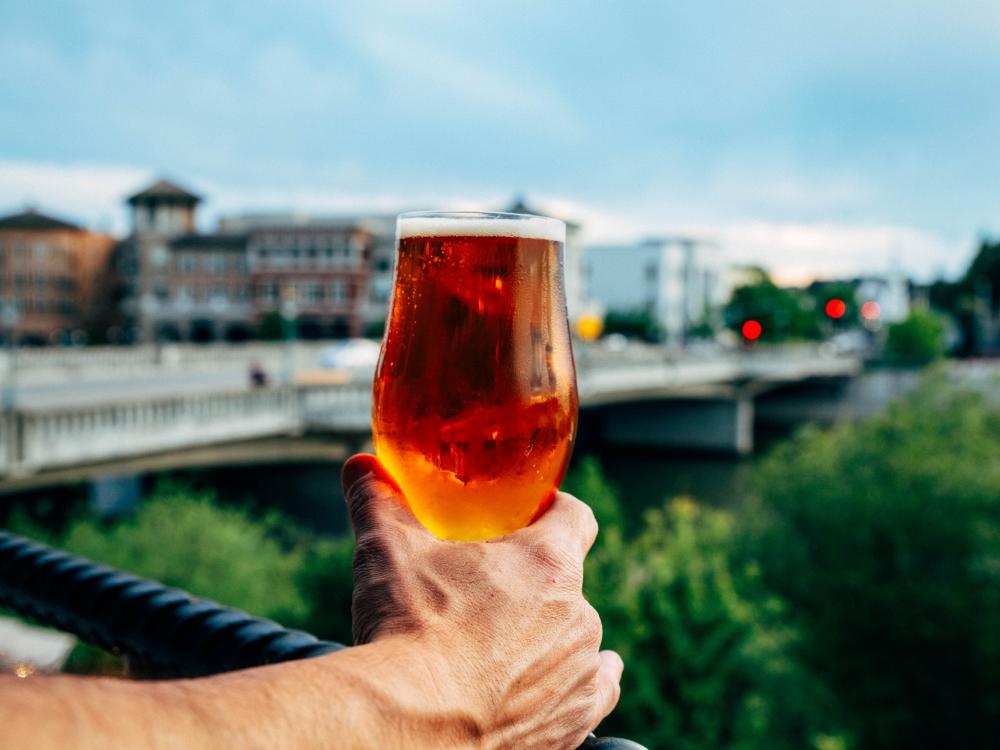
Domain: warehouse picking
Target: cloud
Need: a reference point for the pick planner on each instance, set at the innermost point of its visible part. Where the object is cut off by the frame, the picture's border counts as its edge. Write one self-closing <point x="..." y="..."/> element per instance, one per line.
<point x="89" y="194"/>
<point x="796" y="252"/>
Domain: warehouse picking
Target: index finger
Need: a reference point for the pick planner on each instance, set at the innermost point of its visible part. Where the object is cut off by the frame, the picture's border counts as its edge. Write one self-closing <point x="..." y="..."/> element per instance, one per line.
<point x="373" y="498"/>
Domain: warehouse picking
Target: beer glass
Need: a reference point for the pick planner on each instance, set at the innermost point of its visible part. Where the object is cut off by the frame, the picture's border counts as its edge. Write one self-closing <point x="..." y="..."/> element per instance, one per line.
<point x="475" y="404"/>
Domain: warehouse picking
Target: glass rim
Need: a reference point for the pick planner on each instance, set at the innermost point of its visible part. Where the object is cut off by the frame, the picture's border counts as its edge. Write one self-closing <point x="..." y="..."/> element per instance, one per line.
<point x="480" y="223"/>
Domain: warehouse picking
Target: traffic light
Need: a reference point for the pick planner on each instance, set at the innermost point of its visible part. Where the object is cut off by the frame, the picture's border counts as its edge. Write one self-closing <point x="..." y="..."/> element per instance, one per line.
<point x="836" y="308"/>
<point x="871" y="310"/>
<point x="751" y="330"/>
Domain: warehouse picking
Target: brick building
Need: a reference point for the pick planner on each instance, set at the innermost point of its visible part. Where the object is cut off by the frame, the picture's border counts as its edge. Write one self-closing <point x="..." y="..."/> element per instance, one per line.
<point x="319" y="271"/>
<point x="182" y="285"/>
<point x="56" y="275"/>
<point x="204" y="291"/>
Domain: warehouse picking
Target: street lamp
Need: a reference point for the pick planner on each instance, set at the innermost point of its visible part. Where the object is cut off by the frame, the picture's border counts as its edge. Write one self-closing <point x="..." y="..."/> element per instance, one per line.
<point x="289" y="310"/>
<point x="10" y="316"/>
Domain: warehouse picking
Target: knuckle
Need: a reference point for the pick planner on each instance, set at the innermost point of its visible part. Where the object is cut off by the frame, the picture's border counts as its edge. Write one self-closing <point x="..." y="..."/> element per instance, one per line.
<point x="591" y="628"/>
<point x="553" y="555"/>
<point x="589" y="520"/>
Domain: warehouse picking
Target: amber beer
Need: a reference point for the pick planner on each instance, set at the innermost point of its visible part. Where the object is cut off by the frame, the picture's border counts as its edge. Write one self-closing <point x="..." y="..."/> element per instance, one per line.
<point x="475" y="401"/>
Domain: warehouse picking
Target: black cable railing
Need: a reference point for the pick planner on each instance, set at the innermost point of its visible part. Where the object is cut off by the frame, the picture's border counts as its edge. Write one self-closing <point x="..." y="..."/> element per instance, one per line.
<point x="162" y="632"/>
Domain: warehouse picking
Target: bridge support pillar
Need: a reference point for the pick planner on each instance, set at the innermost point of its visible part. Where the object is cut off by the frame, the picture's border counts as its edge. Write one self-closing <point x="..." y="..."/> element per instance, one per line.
<point x="717" y="424"/>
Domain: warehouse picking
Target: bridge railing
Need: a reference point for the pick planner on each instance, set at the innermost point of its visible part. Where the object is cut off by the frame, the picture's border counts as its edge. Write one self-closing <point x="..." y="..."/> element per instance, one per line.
<point x="162" y="632"/>
<point x="33" y="439"/>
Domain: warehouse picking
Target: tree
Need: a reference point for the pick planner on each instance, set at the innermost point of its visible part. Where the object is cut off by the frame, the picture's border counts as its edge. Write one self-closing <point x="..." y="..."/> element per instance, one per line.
<point x="918" y="340"/>
<point x="326" y="580"/>
<point x="884" y="538"/>
<point x="709" y="655"/>
<point x="638" y="324"/>
<point x="782" y="313"/>
<point x="982" y="278"/>
<point x="271" y="327"/>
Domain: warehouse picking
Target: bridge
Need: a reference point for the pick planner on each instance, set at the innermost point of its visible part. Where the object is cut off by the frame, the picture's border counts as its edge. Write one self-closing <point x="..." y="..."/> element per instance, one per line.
<point x="86" y="407"/>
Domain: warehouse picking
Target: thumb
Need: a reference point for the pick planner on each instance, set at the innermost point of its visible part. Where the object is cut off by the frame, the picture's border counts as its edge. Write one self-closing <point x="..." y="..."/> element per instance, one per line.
<point x="373" y="498"/>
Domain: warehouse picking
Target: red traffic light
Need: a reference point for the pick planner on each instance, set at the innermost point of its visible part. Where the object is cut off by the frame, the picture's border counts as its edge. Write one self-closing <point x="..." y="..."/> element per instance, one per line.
<point x="871" y="310"/>
<point x="751" y="330"/>
<point x="836" y="308"/>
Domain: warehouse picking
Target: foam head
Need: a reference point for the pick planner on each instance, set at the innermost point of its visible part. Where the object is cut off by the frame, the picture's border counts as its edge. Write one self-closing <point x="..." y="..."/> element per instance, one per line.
<point x="475" y="224"/>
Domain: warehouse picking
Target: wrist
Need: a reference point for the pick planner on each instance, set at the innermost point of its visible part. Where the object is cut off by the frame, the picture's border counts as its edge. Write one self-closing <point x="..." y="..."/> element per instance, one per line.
<point x="414" y="682"/>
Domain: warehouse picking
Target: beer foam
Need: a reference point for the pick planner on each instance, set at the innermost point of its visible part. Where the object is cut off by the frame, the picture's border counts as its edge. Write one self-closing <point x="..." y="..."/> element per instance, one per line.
<point x="521" y="226"/>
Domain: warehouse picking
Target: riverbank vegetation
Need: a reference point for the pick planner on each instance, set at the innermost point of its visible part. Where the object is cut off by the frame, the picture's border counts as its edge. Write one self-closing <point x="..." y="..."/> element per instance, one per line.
<point x="853" y="602"/>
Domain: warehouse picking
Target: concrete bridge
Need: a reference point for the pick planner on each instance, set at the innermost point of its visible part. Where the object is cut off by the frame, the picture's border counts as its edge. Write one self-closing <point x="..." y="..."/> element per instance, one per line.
<point x="633" y="397"/>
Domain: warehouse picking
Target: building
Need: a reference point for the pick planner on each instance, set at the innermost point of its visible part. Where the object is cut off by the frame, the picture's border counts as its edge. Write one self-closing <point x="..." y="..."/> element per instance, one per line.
<point x="317" y="272"/>
<point x="182" y="285"/>
<point x="54" y="278"/>
<point x="203" y="292"/>
<point x="160" y="214"/>
<point x="677" y="280"/>
<point x="332" y="274"/>
<point x="335" y="271"/>
<point x="891" y="292"/>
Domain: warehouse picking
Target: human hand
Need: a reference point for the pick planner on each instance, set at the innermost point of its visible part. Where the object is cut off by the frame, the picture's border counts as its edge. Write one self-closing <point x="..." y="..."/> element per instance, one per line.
<point x="502" y="627"/>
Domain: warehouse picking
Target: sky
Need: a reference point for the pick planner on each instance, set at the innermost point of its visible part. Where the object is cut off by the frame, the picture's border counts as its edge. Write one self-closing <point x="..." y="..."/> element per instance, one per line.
<point x="817" y="139"/>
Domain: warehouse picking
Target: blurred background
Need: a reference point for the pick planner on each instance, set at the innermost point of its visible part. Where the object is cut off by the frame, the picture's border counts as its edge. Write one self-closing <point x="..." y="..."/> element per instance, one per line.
<point x="782" y="272"/>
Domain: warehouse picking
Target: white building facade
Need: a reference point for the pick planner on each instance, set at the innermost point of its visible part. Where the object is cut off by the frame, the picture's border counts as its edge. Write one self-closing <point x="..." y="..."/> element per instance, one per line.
<point x="679" y="280"/>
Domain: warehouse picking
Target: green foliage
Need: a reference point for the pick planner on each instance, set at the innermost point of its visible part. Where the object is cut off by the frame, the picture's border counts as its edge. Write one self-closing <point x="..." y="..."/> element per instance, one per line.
<point x="326" y="580"/>
<point x="639" y="324"/>
<point x="709" y="658"/>
<point x="586" y="481"/>
<point x="375" y="329"/>
<point x="183" y="538"/>
<point x="271" y="327"/>
<point x="884" y="537"/>
<point x="824" y="291"/>
<point x="983" y="274"/>
<point x="782" y="313"/>
<point x="918" y="340"/>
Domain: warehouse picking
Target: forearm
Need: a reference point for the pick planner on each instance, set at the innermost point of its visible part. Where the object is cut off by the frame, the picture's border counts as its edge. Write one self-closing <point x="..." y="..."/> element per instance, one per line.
<point x="371" y="696"/>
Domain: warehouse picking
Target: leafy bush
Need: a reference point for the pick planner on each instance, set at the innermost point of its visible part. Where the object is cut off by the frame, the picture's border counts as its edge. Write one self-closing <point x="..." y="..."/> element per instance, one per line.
<point x="326" y="580"/>
<point x="884" y="537"/>
<point x="709" y="657"/>
<point x="918" y="340"/>
<point x="782" y="313"/>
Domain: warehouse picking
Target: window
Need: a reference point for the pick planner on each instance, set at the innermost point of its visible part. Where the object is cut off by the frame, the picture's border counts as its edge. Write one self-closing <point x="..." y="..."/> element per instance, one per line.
<point x="338" y="291"/>
<point x="186" y="263"/>
<point x="161" y="292"/>
<point x="217" y="263"/>
<point x="314" y="293"/>
<point x="268" y="293"/>
<point x="159" y="255"/>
